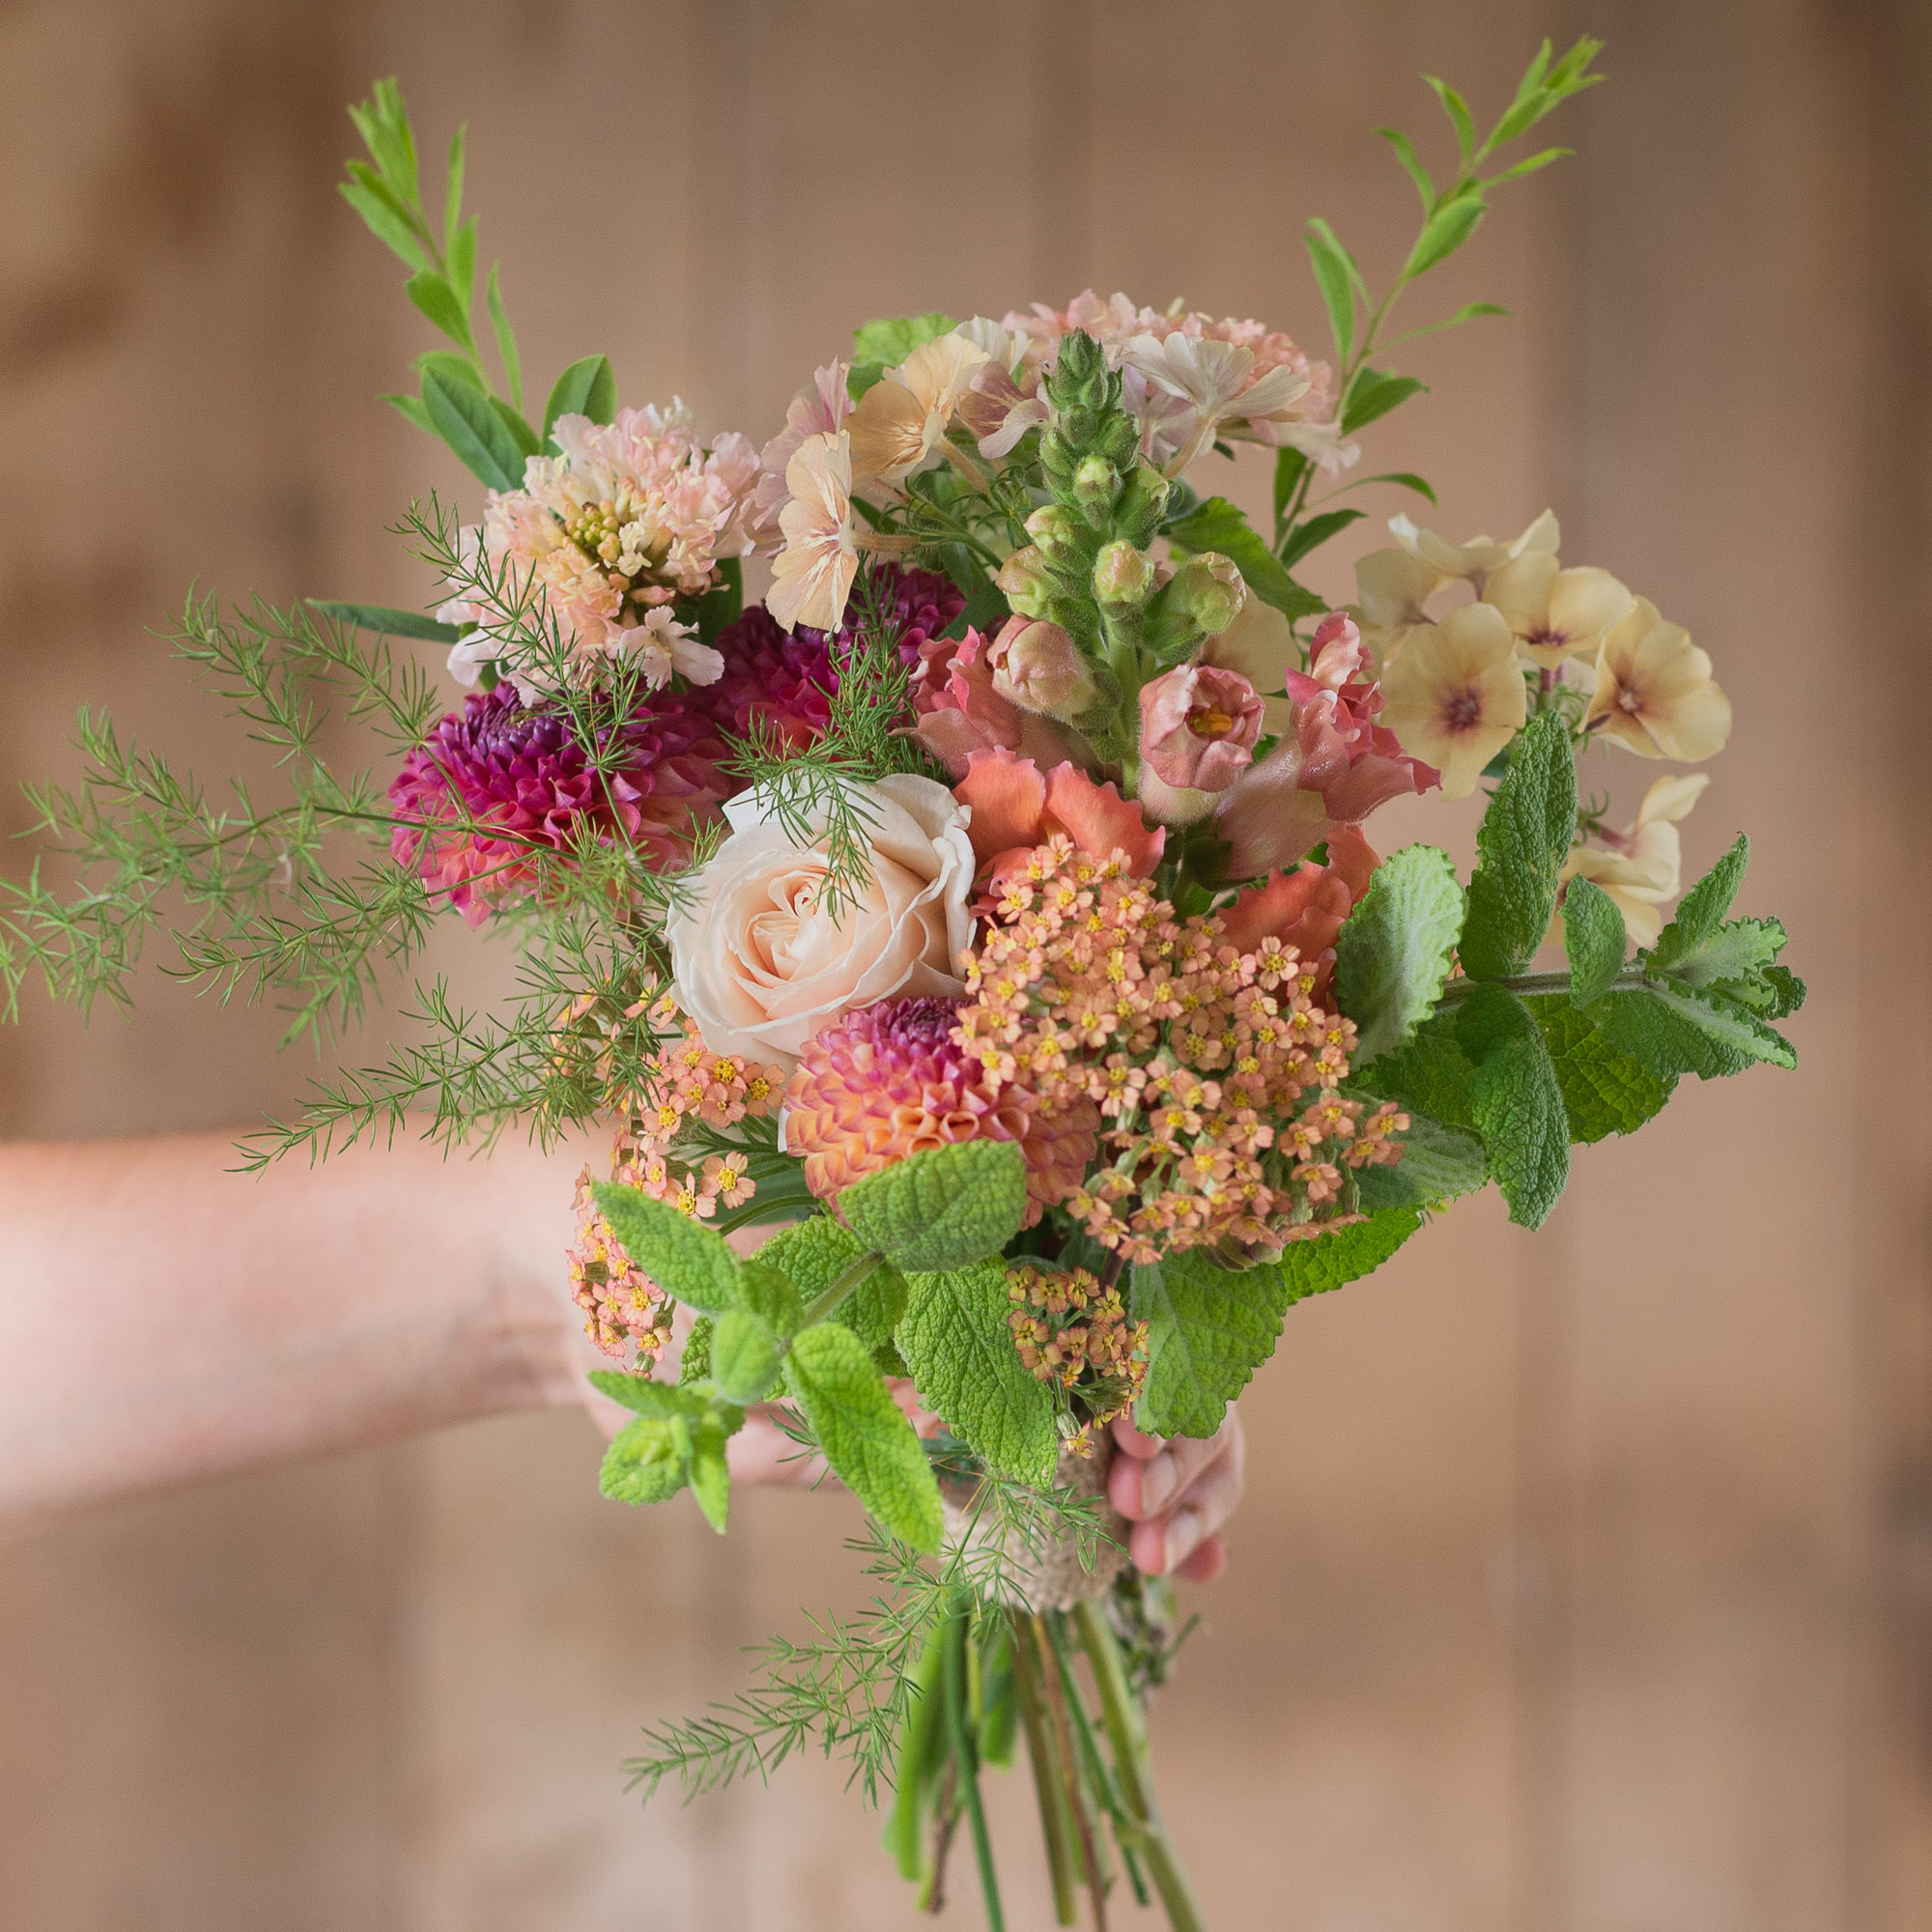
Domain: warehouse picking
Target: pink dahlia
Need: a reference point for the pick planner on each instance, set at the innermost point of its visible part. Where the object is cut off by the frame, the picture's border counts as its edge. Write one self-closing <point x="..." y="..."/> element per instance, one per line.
<point x="498" y="784"/>
<point x="891" y="1080"/>
<point x="789" y="680"/>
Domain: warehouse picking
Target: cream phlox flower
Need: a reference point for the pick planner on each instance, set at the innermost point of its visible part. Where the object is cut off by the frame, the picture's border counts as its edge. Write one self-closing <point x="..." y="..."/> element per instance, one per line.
<point x="1455" y="694"/>
<point x="901" y="420"/>
<point x="661" y="645"/>
<point x="1655" y="692"/>
<point x="1480" y="555"/>
<point x="1643" y="868"/>
<point x="1392" y="591"/>
<point x="818" y="410"/>
<point x="1555" y="614"/>
<point x="811" y="576"/>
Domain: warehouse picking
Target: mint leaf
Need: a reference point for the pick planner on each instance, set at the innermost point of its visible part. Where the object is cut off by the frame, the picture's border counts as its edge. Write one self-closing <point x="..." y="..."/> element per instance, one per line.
<point x="1604" y="1090"/>
<point x="645" y="1462"/>
<point x="816" y="1252"/>
<point x="1524" y="837"/>
<point x="1782" y="992"/>
<point x="1681" y="1030"/>
<point x="745" y="1355"/>
<point x="957" y="1342"/>
<point x="1593" y="938"/>
<point x="1437" y="1164"/>
<point x="1393" y="953"/>
<point x="1702" y="908"/>
<point x="685" y="1260"/>
<point x="1219" y="526"/>
<point x="1332" y="1260"/>
<point x="866" y="1437"/>
<point x="1733" y="958"/>
<point x="659" y="1401"/>
<point x="943" y="1208"/>
<point x="1516" y="1103"/>
<point x="890" y="340"/>
<point x="708" y="1472"/>
<point x="1431" y="1075"/>
<point x="694" y="1364"/>
<point x="1208" y="1332"/>
<point x="770" y="1293"/>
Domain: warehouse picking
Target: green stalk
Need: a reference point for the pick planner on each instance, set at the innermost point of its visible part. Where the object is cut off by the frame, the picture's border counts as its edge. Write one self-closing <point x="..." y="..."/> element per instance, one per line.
<point x="952" y="1677"/>
<point x="1100" y="1780"/>
<point x="1132" y="1761"/>
<point x="842" y="1284"/>
<point x="1092" y="1854"/>
<point x="1049" y="1783"/>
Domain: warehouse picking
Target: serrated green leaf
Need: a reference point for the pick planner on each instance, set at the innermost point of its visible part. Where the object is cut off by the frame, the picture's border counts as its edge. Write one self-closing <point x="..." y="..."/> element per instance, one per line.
<point x="816" y="1252"/>
<point x="1314" y="531"/>
<point x="586" y="388"/>
<point x="891" y="339"/>
<point x="1784" y="991"/>
<point x="1438" y="1165"/>
<point x="1521" y="846"/>
<point x="745" y="1351"/>
<point x="709" y="1473"/>
<point x="1209" y="1330"/>
<point x="1685" y="1029"/>
<point x="658" y="1401"/>
<point x="1393" y="953"/>
<point x="685" y="1260"/>
<point x="1330" y="263"/>
<point x="941" y="1209"/>
<point x="464" y="420"/>
<point x="957" y="1340"/>
<point x="694" y="1364"/>
<point x="1443" y="233"/>
<point x="1431" y="1075"/>
<point x="1333" y="1260"/>
<point x="866" y="1437"/>
<point x="1732" y="957"/>
<point x="1217" y="524"/>
<point x="1373" y="394"/>
<point x="769" y="1292"/>
<point x="1604" y="1090"/>
<point x="380" y="621"/>
<point x="1702" y="909"/>
<point x="646" y="1461"/>
<point x="1516" y="1103"/>
<point x="1593" y="938"/>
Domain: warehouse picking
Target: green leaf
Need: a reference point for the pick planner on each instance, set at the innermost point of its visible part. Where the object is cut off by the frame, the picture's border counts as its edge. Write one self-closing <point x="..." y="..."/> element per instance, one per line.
<point x="1209" y="1330"/>
<point x="506" y="337"/>
<point x="646" y="1461"/>
<point x="1702" y="909"/>
<point x="957" y="1341"/>
<point x="1393" y="953"/>
<point x="1332" y="1260"/>
<point x="386" y="218"/>
<point x="1217" y="524"/>
<point x="1593" y="938"/>
<point x="1314" y="531"/>
<point x="889" y="341"/>
<point x="694" y="1364"/>
<point x="1516" y="1103"/>
<point x="709" y="1473"/>
<point x="1411" y="161"/>
<point x="1406" y="478"/>
<point x="922" y="1756"/>
<point x="1528" y="167"/>
<point x="1443" y="233"/>
<point x="1373" y="394"/>
<point x="866" y="1437"/>
<point x="1469" y="312"/>
<point x="745" y="1355"/>
<point x="770" y="1293"/>
<point x="1604" y="1090"/>
<point x="586" y="388"/>
<point x="659" y="1401"/>
<point x="450" y="366"/>
<point x="462" y="269"/>
<point x="943" y="1208"/>
<point x="464" y="420"/>
<point x="1438" y="1164"/>
<point x="683" y="1259"/>
<point x="521" y="433"/>
<point x="437" y="299"/>
<point x="722" y="605"/>
<point x="1332" y="277"/>
<point x="1685" y="1029"/>
<point x="1454" y="105"/>
<point x="380" y="622"/>
<point x="1432" y="1075"/>
<point x="1524" y="837"/>
<point x="816" y="1252"/>
<point x="1734" y="958"/>
<point x="1784" y="992"/>
<point x="452" y="201"/>
<point x="1290" y="467"/>
<point x="410" y="408"/>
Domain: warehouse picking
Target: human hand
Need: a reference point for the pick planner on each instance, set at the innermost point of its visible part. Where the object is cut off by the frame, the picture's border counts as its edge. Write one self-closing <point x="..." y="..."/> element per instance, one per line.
<point x="1177" y="1494"/>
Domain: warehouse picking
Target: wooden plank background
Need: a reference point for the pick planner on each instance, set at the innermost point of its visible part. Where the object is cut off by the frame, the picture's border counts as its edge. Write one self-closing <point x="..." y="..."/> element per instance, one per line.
<point x="1585" y="1580"/>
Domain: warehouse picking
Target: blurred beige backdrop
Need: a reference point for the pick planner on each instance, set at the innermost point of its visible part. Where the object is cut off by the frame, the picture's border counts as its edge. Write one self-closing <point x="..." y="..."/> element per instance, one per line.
<point x="1585" y="1579"/>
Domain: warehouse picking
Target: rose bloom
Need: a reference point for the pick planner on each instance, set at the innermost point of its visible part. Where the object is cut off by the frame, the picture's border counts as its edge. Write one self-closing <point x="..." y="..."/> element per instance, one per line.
<point x="759" y="963"/>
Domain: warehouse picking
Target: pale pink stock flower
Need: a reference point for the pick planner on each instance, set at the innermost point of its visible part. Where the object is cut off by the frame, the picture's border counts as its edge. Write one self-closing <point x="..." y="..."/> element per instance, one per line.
<point x="1219" y="384"/>
<point x="820" y="409"/>
<point x="811" y="576"/>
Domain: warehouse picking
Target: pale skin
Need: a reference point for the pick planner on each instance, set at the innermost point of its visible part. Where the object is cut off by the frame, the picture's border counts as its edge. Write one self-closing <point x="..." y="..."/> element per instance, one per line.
<point x="163" y="1322"/>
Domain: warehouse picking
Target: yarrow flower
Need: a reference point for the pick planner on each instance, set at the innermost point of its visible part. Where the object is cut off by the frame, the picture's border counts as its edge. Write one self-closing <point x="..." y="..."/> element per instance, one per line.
<point x="891" y="1080"/>
<point x="623" y="1308"/>
<point x="1216" y="1070"/>
<point x="1074" y="1334"/>
<point x="499" y="786"/>
<point x="631" y="517"/>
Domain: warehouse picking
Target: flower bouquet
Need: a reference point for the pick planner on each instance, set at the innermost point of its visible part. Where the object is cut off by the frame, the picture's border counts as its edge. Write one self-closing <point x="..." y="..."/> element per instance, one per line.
<point x="987" y="915"/>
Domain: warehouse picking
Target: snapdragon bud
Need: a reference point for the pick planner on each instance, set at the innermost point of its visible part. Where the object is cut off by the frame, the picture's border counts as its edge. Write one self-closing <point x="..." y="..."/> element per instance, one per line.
<point x="1095" y="484"/>
<point x="1143" y="504"/>
<point x="1038" y="667"/>
<point x="1026" y="582"/>
<point x="1208" y="589"/>
<point x="1056" y="532"/>
<point x="1122" y="574"/>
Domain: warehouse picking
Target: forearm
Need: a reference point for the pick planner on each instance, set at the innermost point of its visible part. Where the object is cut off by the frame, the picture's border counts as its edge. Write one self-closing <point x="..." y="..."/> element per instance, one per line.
<point x="162" y="1320"/>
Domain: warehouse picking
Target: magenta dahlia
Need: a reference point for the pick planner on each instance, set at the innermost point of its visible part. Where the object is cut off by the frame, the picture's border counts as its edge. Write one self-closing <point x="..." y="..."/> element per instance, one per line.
<point x="497" y="783"/>
<point x="890" y="1080"/>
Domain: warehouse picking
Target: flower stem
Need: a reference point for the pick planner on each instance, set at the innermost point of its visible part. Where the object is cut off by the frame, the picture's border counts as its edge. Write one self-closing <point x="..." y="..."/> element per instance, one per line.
<point x="1133" y="1763"/>
<point x="842" y="1284"/>
<point x="1459" y="989"/>
<point x="953" y="1673"/>
<point x="1048" y="1775"/>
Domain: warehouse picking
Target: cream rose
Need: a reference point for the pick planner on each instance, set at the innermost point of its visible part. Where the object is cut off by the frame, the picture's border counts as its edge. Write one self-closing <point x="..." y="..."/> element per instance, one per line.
<point x="760" y="967"/>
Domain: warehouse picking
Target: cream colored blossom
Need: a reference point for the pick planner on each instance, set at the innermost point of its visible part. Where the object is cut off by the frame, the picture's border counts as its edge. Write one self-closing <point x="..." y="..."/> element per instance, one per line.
<point x="811" y="576"/>
<point x="1655" y="692"/>
<point x="1480" y="555"/>
<point x="1392" y="591"/>
<point x="1643" y="867"/>
<point x="903" y="418"/>
<point x="1555" y="614"/>
<point x="1454" y="695"/>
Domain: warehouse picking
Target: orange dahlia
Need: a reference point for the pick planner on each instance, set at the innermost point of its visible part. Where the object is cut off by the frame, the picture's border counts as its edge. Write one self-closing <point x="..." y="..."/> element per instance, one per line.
<point x="890" y="1080"/>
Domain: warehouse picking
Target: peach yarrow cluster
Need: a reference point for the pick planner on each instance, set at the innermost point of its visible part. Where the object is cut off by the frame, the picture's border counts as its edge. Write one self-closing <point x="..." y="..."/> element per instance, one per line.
<point x="1073" y="1333"/>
